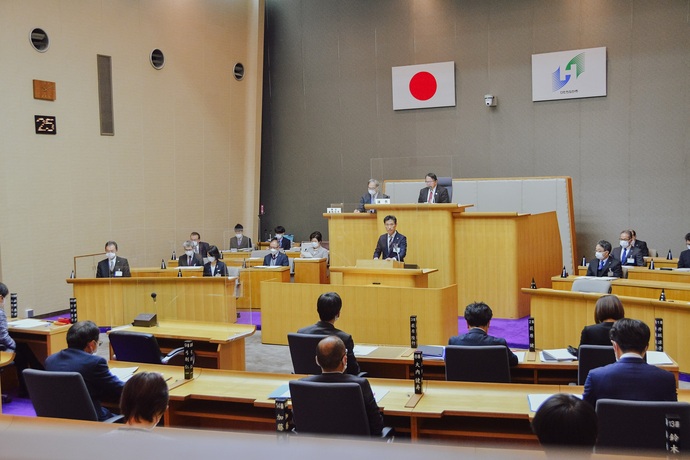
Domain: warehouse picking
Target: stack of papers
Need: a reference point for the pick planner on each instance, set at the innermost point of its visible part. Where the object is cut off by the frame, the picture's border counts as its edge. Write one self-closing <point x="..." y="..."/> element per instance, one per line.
<point x="657" y="358"/>
<point x="124" y="373"/>
<point x="559" y="354"/>
<point x="363" y="350"/>
<point x="28" y="323"/>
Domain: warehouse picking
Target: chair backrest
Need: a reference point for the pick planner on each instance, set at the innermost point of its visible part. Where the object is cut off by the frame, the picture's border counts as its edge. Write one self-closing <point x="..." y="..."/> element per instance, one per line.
<point x="638" y="424"/>
<point x="486" y="363"/>
<point x="303" y="352"/>
<point x="59" y="395"/>
<point x="591" y="285"/>
<point x="329" y="408"/>
<point x="653" y="252"/>
<point x="592" y="356"/>
<point x="447" y="183"/>
<point x="135" y="347"/>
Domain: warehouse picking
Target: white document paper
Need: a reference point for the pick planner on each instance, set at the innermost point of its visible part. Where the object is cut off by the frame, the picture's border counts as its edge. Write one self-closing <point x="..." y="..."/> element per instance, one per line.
<point x="559" y="354"/>
<point x="379" y="393"/>
<point x="363" y="350"/>
<point x="28" y="323"/>
<point x="124" y="373"/>
<point x="520" y="355"/>
<point x="657" y="358"/>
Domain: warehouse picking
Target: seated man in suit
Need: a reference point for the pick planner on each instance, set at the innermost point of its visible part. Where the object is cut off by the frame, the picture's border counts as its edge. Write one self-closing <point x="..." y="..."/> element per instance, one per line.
<point x="283" y="243"/>
<point x="371" y="196"/>
<point x="603" y="265"/>
<point x="275" y="258"/>
<point x="328" y="306"/>
<point x="200" y="247"/>
<point x="433" y="193"/>
<point x="684" y="259"/>
<point x="627" y="254"/>
<point x="239" y="241"/>
<point x="639" y="244"/>
<point x="566" y="420"/>
<point x="630" y="377"/>
<point x="391" y="245"/>
<point x="331" y="356"/>
<point x="478" y="316"/>
<point x="79" y="356"/>
<point x="112" y="266"/>
<point x="190" y="258"/>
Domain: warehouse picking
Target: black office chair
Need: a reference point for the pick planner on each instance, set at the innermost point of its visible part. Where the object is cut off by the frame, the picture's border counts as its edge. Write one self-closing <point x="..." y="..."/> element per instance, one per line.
<point x="61" y="395"/>
<point x="447" y="183"/>
<point x="593" y="356"/>
<point x="330" y="408"/>
<point x="138" y="347"/>
<point x="303" y="352"/>
<point x="487" y="363"/>
<point x="638" y="424"/>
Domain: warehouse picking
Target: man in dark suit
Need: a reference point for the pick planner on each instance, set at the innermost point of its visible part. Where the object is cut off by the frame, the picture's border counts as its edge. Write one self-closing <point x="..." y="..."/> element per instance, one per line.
<point x="370" y="197"/>
<point x="112" y="266"/>
<point x="190" y="258"/>
<point x="239" y="241"/>
<point x="200" y="247"/>
<point x="284" y="243"/>
<point x="331" y="356"/>
<point x="639" y="244"/>
<point x="433" y="193"/>
<point x="630" y="377"/>
<point x="391" y="245"/>
<point x="275" y="258"/>
<point x="603" y="265"/>
<point x="684" y="259"/>
<point x="79" y="356"/>
<point x="478" y="316"/>
<point x="626" y="253"/>
<point x="328" y="306"/>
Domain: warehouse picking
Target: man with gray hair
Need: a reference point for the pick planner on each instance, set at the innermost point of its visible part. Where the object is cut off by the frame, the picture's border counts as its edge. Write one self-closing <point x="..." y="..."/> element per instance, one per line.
<point x="190" y="258"/>
<point x="370" y="197"/>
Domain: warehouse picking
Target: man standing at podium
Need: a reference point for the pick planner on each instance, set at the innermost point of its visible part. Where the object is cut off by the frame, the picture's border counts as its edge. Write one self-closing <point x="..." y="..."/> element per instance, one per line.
<point x="112" y="266"/>
<point x="391" y="245"/>
<point x="433" y="193"/>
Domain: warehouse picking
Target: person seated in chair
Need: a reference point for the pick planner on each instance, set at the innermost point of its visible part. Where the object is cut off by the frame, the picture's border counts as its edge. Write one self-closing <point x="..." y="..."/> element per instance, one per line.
<point x="603" y="264"/>
<point x="284" y="243"/>
<point x="627" y="254"/>
<point x="331" y="356"/>
<point x="684" y="259"/>
<point x="607" y="311"/>
<point x="433" y="193"/>
<point x="639" y="244"/>
<point x="314" y="250"/>
<point x="80" y="356"/>
<point x="370" y="197"/>
<point x="239" y="241"/>
<point x="190" y="258"/>
<point x="214" y="266"/>
<point x="478" y="316"/>
<point x="144" y="400"/>
<point x="275" y="258"/>
<point x="565" y="420"/>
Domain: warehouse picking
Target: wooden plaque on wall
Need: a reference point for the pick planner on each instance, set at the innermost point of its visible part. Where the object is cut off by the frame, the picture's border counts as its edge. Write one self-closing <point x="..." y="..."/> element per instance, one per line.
<point x="44" y="90"/>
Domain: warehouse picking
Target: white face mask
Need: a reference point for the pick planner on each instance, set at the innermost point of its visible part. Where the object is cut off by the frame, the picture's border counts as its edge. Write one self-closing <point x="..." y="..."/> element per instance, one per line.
<point x="279" y="236"/>
<point x="314" y="244"/>
<point x="624" y="244"/>
<point x="599" y="255"/>
<point x="211" y="258"/>
<point x="274" y="251"/>
<point x="111" y="255"/>
<point x="372" y="192"/>
<point x="189" y="253"/>
<point x="238" y="235"/>
<point x="688" y="246"/>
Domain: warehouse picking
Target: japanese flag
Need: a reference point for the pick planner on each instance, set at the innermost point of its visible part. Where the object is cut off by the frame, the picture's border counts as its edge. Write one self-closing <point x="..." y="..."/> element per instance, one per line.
<point x="423" y="86"/>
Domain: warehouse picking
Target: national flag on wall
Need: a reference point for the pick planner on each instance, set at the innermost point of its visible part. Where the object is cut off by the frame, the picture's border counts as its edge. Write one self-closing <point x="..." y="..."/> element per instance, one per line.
<point x="423" y="86"/>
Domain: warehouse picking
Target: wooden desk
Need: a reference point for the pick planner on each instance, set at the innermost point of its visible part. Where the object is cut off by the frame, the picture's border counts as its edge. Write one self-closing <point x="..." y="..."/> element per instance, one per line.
<point x="43" y="340"/>
<point x="667" y="276"/>
<point x="311" y="271"/>
<point x="216" y="345"/>
<point x="635" y="288"/>
<point x="117" y="301"/>
<point x="251" y="279"/>
<point x="170" y="272"/>
<point x="402" y="277"/>
<point x="661" y="262"/>
<point x="235" y="258"/>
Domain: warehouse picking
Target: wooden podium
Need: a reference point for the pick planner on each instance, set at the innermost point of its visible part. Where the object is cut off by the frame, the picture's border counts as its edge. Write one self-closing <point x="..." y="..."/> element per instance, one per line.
<point x="251" y="278"/>
<point x="310" y="270"/>
<point x="381" y="272"/>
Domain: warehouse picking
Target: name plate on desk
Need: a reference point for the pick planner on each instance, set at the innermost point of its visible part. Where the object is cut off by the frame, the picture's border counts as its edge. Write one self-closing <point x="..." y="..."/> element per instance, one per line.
<point x="334" y="210"/>
<point x="382" y="201"/>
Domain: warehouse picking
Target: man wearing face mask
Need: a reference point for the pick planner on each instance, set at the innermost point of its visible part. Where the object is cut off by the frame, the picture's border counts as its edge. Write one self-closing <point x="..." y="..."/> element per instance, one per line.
<point x="275" y="258"/>
<point x="112" y="266"/>
<point x="79" y="356"/>
<point x="200" y="247"/>
<point x="314" y="250"/>
<point x="190" y="258"/>
<point x="684" y="259"/>
<point x="604" y="264"/>
<point x="283" y="243"/>
<point x="627" y="254"/>
<point x="370" y="197"/>
<point x="239" y="241"/>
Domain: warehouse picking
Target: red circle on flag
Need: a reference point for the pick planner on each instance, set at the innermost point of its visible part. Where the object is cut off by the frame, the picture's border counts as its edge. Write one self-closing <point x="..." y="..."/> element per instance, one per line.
<point x="423" y="86"/>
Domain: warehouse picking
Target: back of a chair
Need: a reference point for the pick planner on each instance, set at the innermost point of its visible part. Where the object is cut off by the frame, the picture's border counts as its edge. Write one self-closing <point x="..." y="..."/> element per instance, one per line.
<point x="303" y="352"/>
<point x="591" y="285"/>
<point x="638" y="424"/>
<point x="59" y="395"/>
<point x="447" y="183"/>
<point x="135" y="347"/>
<point x="477" y="363"/>
<point x="590" y="357"/>
<point x="329" y="408"/>
<point x="653" y="252"/>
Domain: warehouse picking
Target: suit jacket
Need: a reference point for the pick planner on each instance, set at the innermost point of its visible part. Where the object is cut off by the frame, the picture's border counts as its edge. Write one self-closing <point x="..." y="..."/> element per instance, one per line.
<point x="285" y="243"/>
<point x="326" y="328"/>
<point x="203" y="249"/>
<point x="476" y="336"/>
<point x="596" y="334"/>
<point x="245" y="244"/>
<point x="684" y="259"/>
<point x="611" y="263"/>
<point x="368" y="199"/>
<point x="219" y="270"/>
<point x="630" y="378"/>
<point x="121" y="264"/>
<point x="100" y="382"/>
<point x="642" y="246"/>
<point x="440" y="195"/>
<point x="382" y="247"/>
<point x="633" y="253"/>
<point x="281" y="259"/>
<point x="373" y="412"/>
<point x="194" y="261"/>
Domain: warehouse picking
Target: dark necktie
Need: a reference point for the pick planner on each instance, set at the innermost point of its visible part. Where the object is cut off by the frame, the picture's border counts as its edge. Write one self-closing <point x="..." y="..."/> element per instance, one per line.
<point x="623" y="256"/>
<point x="601" y="264"/>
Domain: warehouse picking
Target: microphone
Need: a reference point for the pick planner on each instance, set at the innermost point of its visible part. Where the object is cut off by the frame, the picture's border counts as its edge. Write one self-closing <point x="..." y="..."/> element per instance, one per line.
<point x="153" y="296"/>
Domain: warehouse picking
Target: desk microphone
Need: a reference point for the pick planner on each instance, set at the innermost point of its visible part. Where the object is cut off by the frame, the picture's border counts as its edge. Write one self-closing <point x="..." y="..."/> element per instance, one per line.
<point x="153" y="296"/>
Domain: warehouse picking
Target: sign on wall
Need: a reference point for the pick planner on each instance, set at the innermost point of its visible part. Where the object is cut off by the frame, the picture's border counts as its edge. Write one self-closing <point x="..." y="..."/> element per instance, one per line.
<point x="424" y="86"/>
<point x="569" y="74"/>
